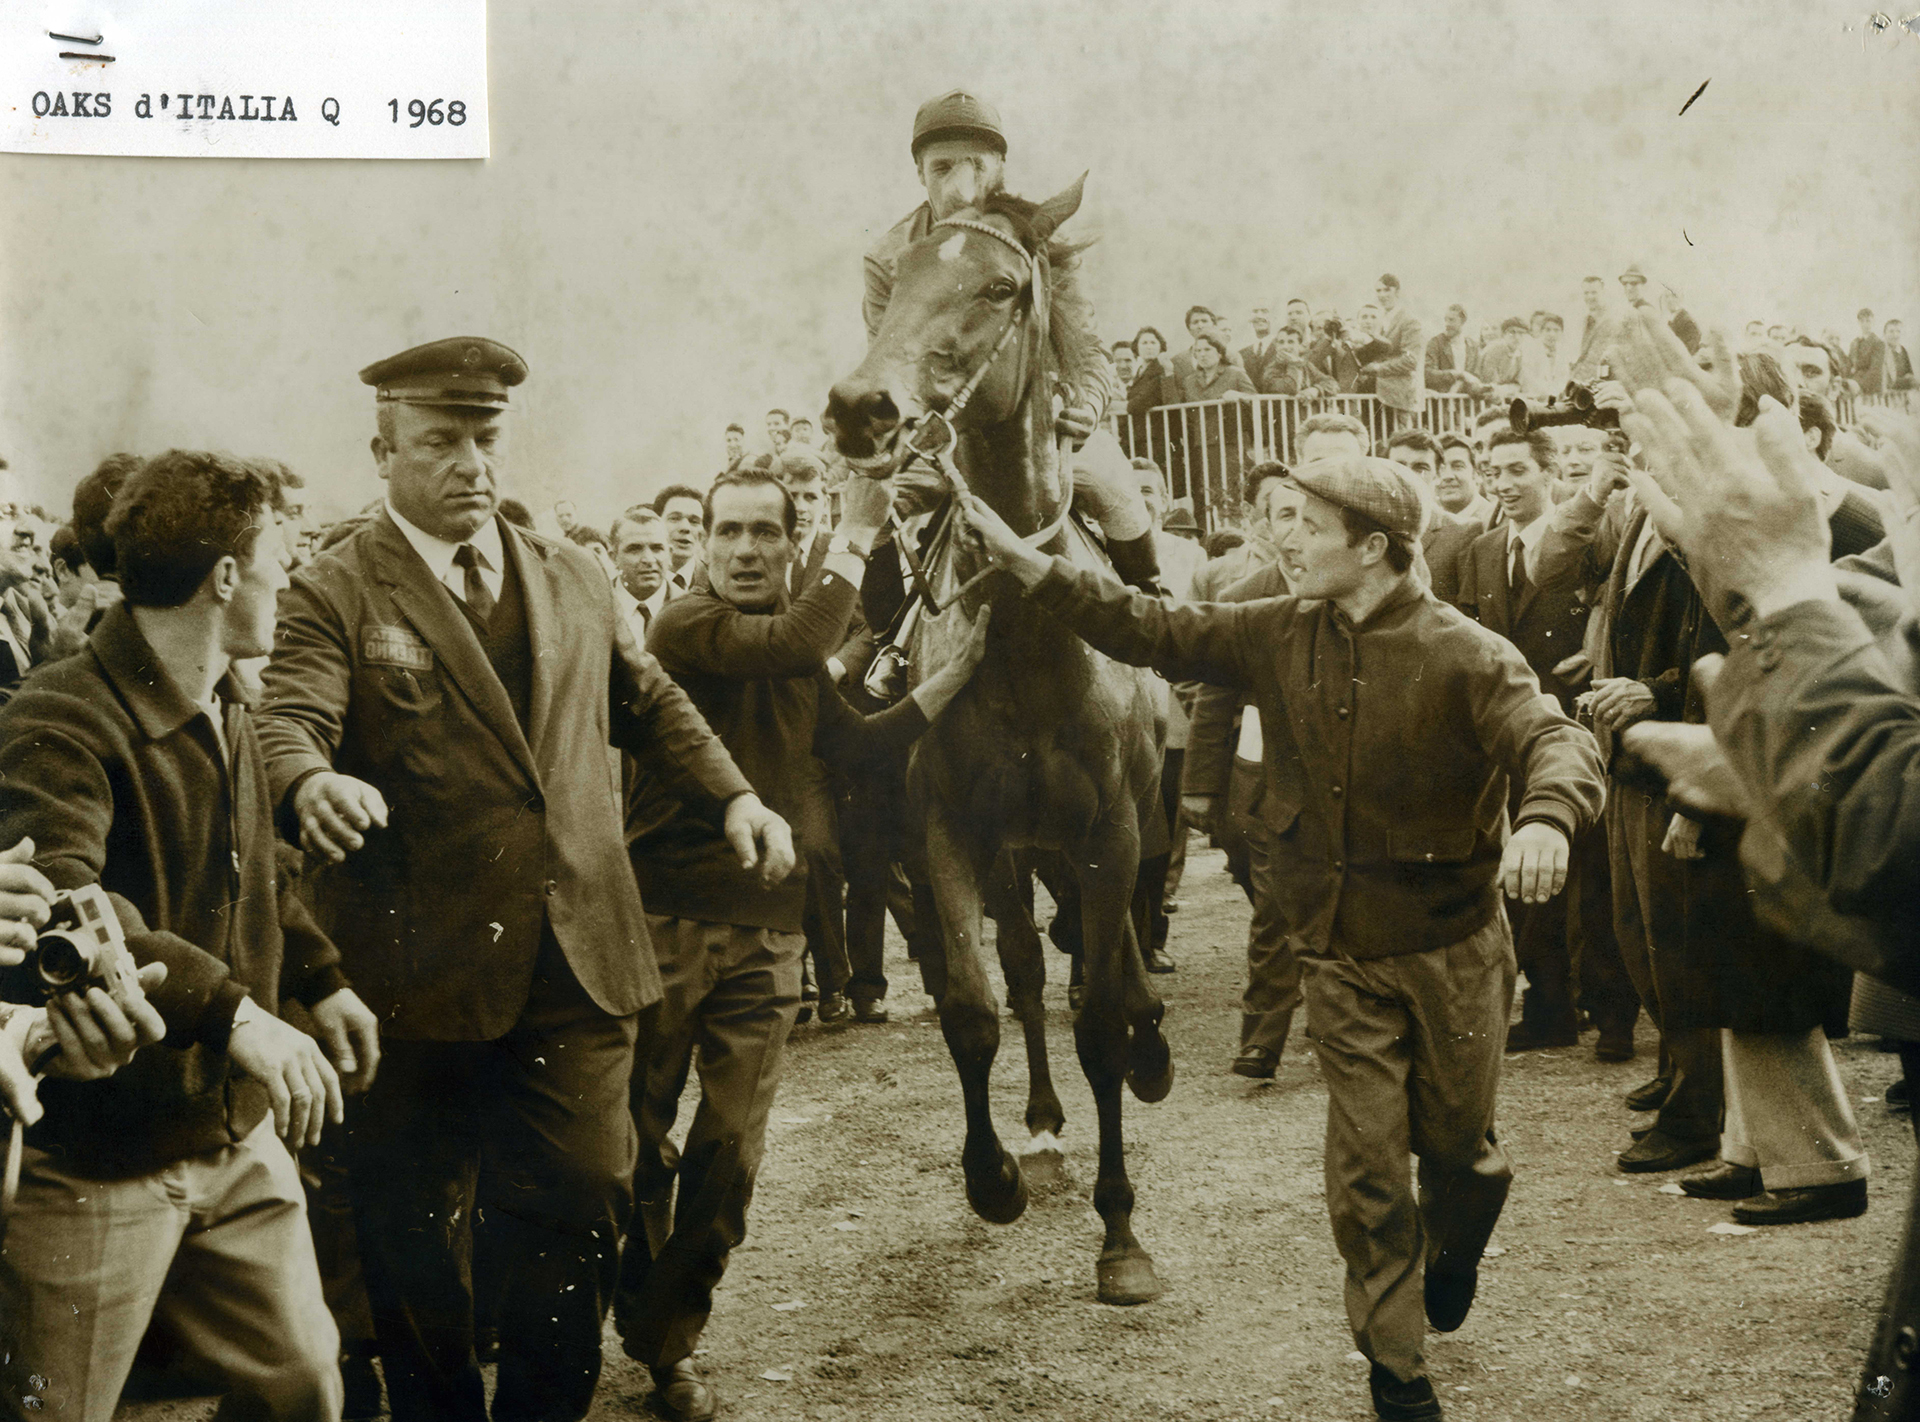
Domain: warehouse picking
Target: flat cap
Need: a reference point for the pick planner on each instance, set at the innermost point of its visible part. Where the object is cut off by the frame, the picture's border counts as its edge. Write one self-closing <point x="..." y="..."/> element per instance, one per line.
<point x="957" y="114"/>
<point x="461" y="370"/>
<point x="1379" y="489"/>
<point x="1633" y="273"/>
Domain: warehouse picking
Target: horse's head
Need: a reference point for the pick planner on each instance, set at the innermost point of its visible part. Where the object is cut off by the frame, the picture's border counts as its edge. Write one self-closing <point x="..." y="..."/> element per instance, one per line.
<point x="965" y="324"/>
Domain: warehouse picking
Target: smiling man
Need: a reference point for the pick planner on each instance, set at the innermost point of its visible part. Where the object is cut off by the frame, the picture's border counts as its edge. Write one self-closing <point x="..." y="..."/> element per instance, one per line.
<point x="1547" y="626"/>
<point x="754" y="662"/>
<point x="1393" y="725"/>
<point x="442" y="693"/>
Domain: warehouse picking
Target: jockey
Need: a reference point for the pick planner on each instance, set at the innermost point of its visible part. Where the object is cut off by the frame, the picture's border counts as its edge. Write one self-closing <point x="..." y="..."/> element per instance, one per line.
<point x="960" y="153"/>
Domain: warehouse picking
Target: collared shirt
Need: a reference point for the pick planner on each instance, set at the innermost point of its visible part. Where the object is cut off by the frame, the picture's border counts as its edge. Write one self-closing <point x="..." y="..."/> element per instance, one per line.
<point x="640" y="613"/>
<point x="1457" y="349"/>
<point x="797" y="567"/>
<point x="438" y="554"/>
<point x="1524" y="541"/>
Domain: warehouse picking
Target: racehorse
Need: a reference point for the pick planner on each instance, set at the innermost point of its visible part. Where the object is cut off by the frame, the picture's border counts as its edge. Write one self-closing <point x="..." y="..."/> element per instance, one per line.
<point x="1051" y="746"/>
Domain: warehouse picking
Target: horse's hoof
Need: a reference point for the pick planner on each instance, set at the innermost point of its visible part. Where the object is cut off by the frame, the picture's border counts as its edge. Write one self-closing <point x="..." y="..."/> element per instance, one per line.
<point x="1150" y="1067"/>
<point x="998" y="1194"/>
<point x="1043" y="1166"/>
<point x="1128" y="1279"/>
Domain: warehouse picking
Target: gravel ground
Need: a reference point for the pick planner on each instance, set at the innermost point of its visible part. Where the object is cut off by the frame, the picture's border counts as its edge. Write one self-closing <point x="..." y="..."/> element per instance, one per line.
<point x="867" y="1290"/>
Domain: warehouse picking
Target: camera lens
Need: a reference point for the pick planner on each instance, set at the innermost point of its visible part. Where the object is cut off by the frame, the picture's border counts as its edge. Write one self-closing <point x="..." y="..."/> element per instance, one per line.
<point x="62" y="960"/>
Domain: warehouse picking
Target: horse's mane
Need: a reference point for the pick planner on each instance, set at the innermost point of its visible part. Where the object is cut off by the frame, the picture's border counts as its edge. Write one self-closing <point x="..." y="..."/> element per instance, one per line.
<point x="1022" y="214"/>
<point x="1069" y="309"/>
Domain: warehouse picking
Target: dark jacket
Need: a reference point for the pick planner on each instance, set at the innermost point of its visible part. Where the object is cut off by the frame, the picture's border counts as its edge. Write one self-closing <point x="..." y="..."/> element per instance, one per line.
<point x="1815" y="716"/>
<point x="1728" y="969"/>
<point x="497" y="831"/>
<point x="1388" y="747"/>
<point x="1547" y="626"/>
<point x="759" y="679"/>
<point x="120" y="781"/>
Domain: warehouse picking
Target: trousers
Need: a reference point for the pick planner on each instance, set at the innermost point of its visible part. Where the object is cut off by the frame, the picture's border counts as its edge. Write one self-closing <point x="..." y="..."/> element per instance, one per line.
<point x="1411" y="1047"/>
<point x="731" y="996"/>
<point x="1646" y="889"/>
<point x="1273" y="992"/>
<point x="216" y="1247"/>
<point x="1787" y="1110"/>
<point x="531" y="1129"/>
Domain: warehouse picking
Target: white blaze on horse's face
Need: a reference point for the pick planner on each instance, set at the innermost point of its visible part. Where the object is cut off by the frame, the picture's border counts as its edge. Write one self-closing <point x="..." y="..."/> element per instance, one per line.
<point x="950" y="249"/>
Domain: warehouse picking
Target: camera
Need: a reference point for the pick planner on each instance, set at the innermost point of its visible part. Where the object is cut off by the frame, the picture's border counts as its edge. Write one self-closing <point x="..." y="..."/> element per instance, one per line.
<point x="1573" y="406"/>
<point x="1334" y="329"/>
<point x="81" y="946"/>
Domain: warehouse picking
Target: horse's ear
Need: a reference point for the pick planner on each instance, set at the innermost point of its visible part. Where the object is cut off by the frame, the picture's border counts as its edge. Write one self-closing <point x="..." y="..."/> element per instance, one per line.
<point x="1057" y="209"/>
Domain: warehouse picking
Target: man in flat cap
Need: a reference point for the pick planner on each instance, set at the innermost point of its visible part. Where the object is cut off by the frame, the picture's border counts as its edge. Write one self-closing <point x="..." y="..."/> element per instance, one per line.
<point x="1392" y="724"/>
<point x="442" y="693"/>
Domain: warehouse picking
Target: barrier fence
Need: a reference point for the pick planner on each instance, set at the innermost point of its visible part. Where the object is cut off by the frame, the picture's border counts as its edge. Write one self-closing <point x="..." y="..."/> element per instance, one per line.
<point x="1206" y="445"/>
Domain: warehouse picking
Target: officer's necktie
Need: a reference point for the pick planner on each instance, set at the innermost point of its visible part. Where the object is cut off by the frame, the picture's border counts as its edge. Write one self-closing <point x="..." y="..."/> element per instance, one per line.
<point x="479" y="600"/>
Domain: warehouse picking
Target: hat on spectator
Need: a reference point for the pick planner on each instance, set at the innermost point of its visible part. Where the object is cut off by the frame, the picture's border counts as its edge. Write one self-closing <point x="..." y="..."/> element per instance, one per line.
<point x="799" y="462"/>
<point x="1379" y="489"/>
<point x="1633" y="274"/>
<point x="1180" y="520"/>
<point x="469" y="371"/>
<point x="957" y="114"/>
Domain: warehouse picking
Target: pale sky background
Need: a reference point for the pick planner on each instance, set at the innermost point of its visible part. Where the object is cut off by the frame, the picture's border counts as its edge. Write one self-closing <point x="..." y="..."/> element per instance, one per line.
<point x="671" y="226"/>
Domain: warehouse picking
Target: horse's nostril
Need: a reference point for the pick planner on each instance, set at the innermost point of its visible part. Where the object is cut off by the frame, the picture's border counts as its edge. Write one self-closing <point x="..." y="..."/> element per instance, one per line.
<point x="880" y="410"/>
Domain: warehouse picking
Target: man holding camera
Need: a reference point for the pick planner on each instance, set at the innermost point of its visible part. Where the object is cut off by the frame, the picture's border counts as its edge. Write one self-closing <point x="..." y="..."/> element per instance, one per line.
<point x="165" y="1190"/>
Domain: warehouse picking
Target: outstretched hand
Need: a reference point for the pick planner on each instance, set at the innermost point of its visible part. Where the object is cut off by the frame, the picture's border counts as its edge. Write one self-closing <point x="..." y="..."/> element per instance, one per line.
<point x="1649" y="355"/>
<point x="1743" y="504"/>
<point x="1899" y="453"/>
<point x="1004" y="548"/>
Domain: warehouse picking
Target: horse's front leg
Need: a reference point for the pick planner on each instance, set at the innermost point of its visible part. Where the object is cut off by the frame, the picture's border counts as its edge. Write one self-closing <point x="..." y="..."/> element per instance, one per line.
<point x="1113" y="1014"/>
<point x="970" y="1018"/>
<point x="1023" y="964"/>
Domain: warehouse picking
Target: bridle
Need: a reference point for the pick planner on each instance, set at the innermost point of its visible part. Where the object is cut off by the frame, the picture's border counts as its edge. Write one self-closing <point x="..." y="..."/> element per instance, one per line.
<point x="938" y="453"/>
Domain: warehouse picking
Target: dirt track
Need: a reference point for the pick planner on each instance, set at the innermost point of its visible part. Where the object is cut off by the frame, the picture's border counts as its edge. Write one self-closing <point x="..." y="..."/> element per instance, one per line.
<point x="1611" y="1300"/>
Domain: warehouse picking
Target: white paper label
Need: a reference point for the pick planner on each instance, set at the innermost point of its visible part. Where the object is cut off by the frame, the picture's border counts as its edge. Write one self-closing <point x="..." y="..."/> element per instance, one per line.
<point x="265" y="79"/>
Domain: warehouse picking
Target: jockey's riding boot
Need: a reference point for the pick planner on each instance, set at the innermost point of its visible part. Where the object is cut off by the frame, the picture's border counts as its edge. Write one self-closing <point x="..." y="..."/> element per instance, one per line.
<point x="1137" y="562"/>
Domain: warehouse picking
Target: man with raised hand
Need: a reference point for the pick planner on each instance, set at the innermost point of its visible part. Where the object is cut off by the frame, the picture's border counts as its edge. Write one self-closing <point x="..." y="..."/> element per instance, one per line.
<point x="1392" y="725"/>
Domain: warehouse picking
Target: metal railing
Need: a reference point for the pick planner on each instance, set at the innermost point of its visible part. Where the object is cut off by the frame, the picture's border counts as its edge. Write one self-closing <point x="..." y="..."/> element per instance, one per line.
<point x="1205" y="446"/>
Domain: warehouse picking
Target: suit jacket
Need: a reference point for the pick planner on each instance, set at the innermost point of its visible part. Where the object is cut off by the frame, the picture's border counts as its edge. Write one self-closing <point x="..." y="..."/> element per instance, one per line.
<point x="495" y="833"/>
<point x="1256" y="362"/>
<point x="1440" y="367"/>
<point x="1186" y="375"/>
<point x="1444" y="546"/>
<point x="1401" y="381"/>
<point x="1867" y="362"/>
<point x="1546" y="627"/>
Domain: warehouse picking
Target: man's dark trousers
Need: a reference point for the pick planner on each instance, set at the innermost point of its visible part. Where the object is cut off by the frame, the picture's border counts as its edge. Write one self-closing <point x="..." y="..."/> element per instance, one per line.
<point x="542" y="1112"/>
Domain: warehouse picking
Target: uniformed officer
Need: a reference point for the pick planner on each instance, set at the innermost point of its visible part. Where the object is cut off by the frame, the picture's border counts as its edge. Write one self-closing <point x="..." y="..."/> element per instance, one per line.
<point x="443" y="689"/>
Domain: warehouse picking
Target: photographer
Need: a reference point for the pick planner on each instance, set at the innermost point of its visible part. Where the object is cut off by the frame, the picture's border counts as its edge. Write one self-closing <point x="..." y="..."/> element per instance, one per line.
<point x="166" y="1190"/>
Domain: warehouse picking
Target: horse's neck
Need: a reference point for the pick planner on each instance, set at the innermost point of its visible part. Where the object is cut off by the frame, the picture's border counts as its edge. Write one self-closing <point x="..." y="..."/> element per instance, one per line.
<point x="1017" y="469"/>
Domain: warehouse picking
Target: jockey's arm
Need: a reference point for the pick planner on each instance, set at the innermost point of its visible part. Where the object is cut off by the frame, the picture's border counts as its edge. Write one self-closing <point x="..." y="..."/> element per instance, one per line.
<point x="1088" y="384"/>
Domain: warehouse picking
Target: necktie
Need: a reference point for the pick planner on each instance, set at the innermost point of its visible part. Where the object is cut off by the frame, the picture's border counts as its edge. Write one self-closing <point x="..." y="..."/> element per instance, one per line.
<point x="1517" y="568"/>
<point x="478" y="599"/>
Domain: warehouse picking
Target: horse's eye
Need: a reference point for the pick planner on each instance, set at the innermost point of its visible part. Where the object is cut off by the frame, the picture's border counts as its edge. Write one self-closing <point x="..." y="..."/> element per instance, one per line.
<point x="1002" y="290"/>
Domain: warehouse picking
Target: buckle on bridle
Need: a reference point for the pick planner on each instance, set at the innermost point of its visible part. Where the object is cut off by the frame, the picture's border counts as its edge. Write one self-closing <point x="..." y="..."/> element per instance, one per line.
<point x="924" y="449"/>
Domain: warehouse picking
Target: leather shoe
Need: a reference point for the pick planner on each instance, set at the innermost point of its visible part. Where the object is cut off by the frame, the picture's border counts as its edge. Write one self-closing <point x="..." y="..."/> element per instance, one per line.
<point x="1256" y="1062"/>
<point x="1396" y="1401"/>
<point x="1723" y="1180"/>
<point x="1658" y="1151"/>
<point x="870" y="1009"/>
<point x="1159" y="962"/>
<point x="835" y="1010"/>
<point x="1899" y="1096"/>
<point x="1650" y="1096"/>
<point x="1811" y="1202"/>
<point x="682" y="1394"/>
<point x="1449" y="1294"/>
<point x="1615" y="1045"/>
<point x="1529" y="1037"/>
